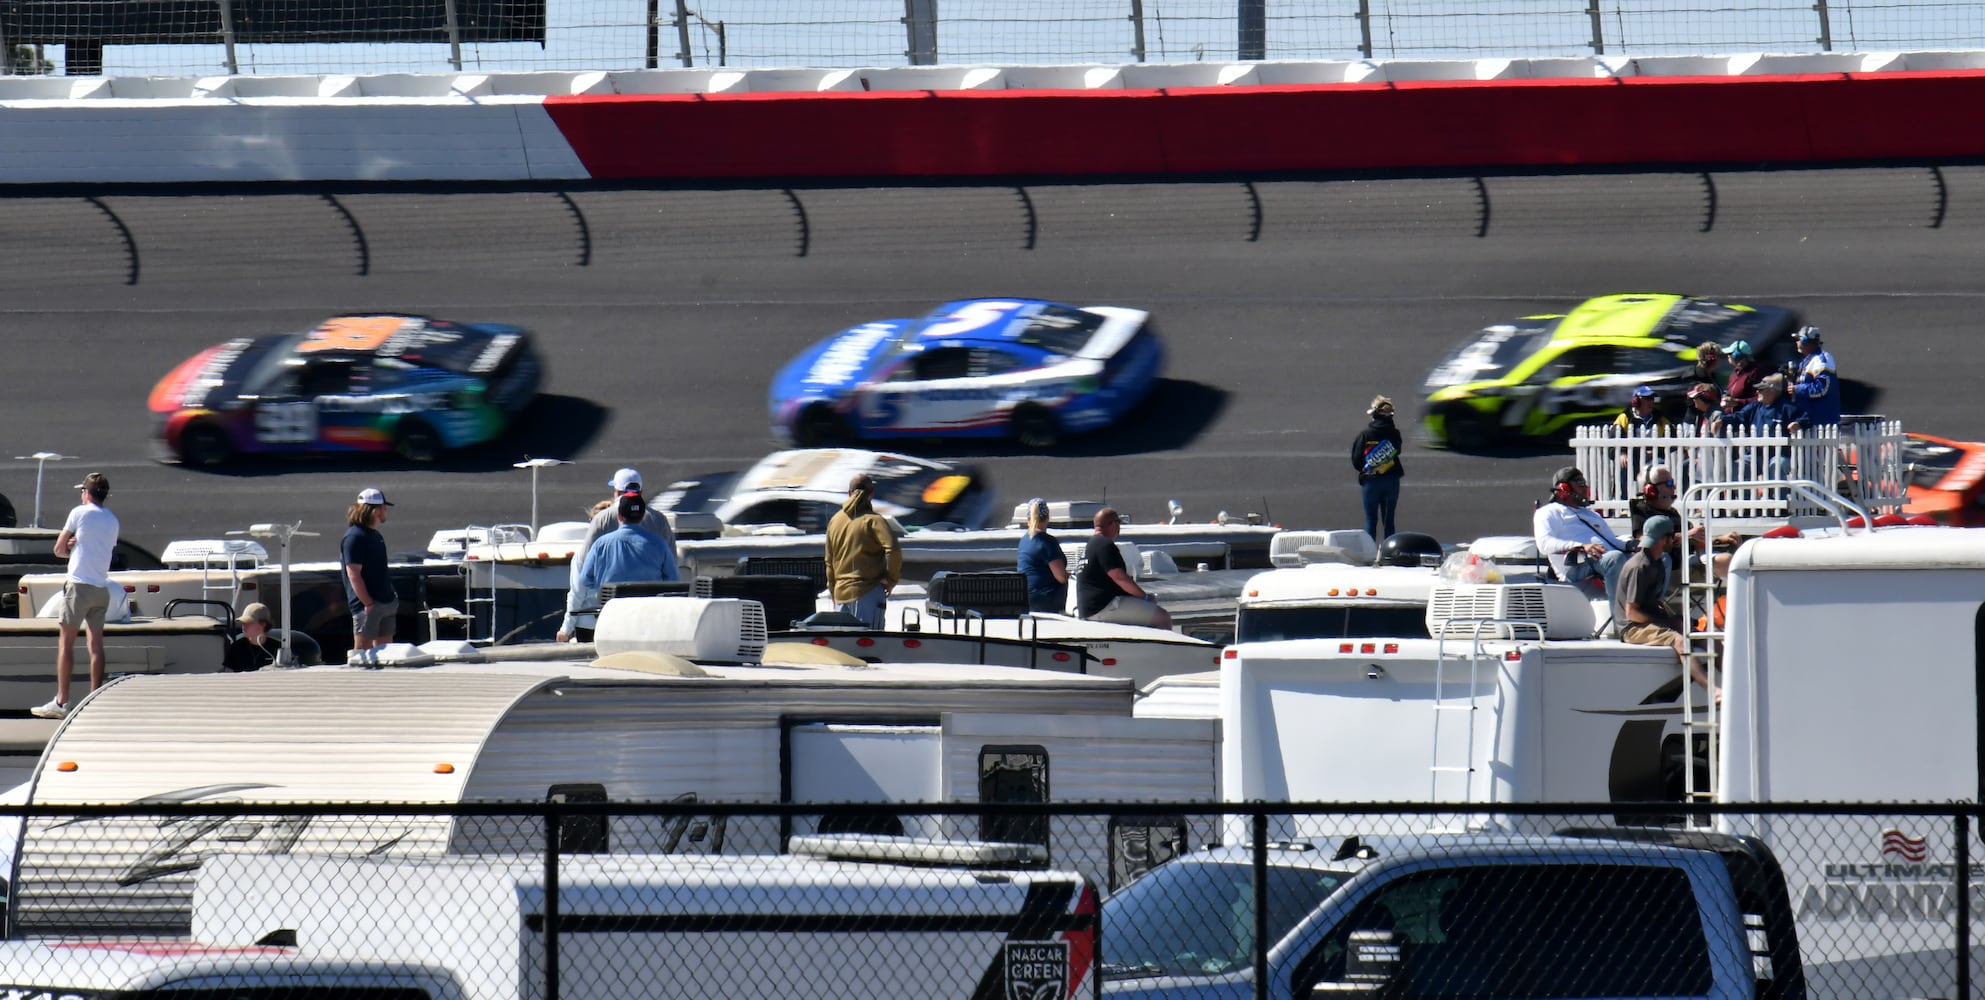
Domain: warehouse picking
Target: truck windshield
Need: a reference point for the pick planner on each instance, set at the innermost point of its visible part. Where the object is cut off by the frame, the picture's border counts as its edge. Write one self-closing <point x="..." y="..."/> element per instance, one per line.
<point x="1198" y="919"/>
<point x="1364" y="621"/>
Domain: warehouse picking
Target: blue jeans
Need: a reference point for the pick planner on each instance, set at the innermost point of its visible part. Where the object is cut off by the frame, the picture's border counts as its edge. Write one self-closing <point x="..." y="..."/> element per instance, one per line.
<point x="1381" y="499"/>
<point x="1604" y="568"/>
<point x="869" y="607"/>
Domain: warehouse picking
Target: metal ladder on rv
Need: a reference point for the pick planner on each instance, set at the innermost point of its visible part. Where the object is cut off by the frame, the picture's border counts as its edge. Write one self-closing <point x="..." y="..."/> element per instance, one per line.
<point x="475" y="604"/>
<point x="1702" y="732"/>
<point x="1473" y="630"/>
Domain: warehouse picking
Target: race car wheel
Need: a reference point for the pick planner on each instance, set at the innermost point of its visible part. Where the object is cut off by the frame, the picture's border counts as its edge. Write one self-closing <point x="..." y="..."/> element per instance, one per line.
<point x="1468" y="429"/>
<point x="1035" y="426"/>
<point x="416" y="442"/>
<point x="204" y="444"/>
<point x="7" y="519"/>
<point x="819" y="426"/>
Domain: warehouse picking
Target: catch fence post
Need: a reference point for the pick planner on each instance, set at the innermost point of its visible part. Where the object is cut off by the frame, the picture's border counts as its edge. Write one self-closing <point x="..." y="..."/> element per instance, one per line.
<point x="1963" y="890"/>
<point x="554" y="825"/>
<point x="1260" y="901"/>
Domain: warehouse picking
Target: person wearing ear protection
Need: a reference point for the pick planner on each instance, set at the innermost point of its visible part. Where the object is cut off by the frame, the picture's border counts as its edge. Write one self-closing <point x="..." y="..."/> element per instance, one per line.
<point x="1817" y="389"/>
<point x="1656" y="498"/>
<point x="1580" y="545"/>
<point x="1375" y="456"/>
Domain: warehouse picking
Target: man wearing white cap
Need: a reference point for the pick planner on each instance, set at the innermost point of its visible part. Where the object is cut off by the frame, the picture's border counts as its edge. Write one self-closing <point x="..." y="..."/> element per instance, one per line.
<point x="368" y="584"/>
<point x="578" y="597"/>
<point x="88" y="539"/>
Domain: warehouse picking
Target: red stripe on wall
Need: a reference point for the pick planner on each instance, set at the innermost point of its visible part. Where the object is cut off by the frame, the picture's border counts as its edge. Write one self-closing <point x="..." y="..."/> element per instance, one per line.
<point x="1528" y="123"/>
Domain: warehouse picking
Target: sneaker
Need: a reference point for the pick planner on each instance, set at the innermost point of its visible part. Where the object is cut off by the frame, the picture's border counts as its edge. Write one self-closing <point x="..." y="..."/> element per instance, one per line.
<point x="52" y="710"/>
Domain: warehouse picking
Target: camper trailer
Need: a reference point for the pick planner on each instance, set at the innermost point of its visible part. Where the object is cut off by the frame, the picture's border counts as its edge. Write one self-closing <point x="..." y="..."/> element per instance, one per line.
<point x="739" y="723"/>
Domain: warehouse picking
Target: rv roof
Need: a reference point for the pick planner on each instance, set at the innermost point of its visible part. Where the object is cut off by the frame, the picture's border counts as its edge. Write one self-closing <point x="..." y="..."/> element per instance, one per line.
<point x="1312" y="584"/>
<point x="1913" y="547"/>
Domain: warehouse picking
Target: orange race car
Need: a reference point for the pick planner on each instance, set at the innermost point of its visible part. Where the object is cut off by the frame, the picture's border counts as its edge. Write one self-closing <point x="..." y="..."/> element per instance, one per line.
<point x="1946" y="479"/>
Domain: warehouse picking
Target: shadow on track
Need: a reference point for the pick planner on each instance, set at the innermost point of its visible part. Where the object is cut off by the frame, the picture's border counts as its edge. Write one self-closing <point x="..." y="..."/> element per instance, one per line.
<point x="553" y="427"/>
<point x="1176" y="412"/>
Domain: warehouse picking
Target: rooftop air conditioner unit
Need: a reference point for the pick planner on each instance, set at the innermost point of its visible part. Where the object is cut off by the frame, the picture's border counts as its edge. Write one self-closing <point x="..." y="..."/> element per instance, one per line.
<point x="1062" y="514"/>
<point x="214" y="553"/>
<point x="718" y="629"/>
<point x="1561" y="611"/>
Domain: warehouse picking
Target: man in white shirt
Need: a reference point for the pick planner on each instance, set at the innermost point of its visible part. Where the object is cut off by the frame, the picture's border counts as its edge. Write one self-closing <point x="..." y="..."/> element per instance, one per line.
<point x="1580" y="545"/>
<point x="87" y="540"/>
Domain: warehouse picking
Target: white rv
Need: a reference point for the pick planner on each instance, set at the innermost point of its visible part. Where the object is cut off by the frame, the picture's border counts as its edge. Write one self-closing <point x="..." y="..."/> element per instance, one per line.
<point x="638" y="725"/>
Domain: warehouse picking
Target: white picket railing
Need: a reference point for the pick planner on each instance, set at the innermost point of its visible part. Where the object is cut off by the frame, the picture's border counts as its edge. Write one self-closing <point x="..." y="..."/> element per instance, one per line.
<point x="1862" y="459"/>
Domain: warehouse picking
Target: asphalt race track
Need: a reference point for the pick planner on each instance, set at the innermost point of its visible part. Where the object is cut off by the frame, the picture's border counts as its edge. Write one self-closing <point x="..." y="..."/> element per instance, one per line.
<point x="1286" y="305"/>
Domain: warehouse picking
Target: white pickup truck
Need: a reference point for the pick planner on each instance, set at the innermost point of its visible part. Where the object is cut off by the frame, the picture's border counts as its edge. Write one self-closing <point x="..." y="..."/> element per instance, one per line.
<point x="1591" y="914"/>
<point x="809" y="924"/>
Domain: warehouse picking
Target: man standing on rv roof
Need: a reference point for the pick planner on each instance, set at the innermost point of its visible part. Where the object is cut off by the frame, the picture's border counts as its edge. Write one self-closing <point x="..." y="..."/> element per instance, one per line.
<point x="368" y="583"/>
<point x="88" y="539"/>
<point x="625" y="555"/>
<point x="864" y="560"/>
<point x="605" y="520"/>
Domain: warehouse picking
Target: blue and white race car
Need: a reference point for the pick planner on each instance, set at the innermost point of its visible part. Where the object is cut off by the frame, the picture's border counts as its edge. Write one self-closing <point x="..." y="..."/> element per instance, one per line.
<point x="1023" y="369"/>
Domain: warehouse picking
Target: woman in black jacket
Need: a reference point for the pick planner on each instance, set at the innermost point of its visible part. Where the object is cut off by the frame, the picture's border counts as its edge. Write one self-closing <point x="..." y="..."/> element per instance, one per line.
<point x="1375" y="454"/>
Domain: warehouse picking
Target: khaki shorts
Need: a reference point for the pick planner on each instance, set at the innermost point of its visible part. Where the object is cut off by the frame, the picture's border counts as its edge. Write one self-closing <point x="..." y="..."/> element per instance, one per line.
<point x="84" y="605"/>
<point x="1127" y="610"/>
<point x="1649" y="634"/>
<point x="375" y="622"/>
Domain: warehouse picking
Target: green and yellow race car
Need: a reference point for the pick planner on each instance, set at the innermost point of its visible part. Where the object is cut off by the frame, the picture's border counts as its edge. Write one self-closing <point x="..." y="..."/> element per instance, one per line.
<point x="1535" y="378"/>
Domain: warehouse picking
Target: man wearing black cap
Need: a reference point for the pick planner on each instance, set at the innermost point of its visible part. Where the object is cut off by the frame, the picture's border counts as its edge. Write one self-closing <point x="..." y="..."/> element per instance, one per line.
<point x="1580" y="545"/>
<point x="606" y="517"/>
<point x="624" y="555"/>
<point x="87" y="540"/>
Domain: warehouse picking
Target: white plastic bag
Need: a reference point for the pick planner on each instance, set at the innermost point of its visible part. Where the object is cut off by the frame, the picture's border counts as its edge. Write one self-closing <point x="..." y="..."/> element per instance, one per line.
<point x="1467" y="567"/>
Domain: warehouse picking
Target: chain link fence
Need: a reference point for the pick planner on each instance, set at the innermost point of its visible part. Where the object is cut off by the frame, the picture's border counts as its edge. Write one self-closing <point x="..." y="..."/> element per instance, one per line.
<point x="213" y="37"/>
<point x="583" y="897"/>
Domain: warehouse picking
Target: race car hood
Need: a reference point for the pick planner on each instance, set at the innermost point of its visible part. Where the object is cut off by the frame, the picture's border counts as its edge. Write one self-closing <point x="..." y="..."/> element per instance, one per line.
<point x="838" y="363"/>
<point x="211" y="375"/>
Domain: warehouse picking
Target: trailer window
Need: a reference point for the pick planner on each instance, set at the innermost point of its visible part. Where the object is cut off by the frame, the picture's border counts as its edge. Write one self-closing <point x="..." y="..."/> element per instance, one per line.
<point x="1013" y="774"/>
<point x="1141" y="843"/>
<point x="580" y="834"/>
<point x="1534" y="930"/>
<point x="1273" y="624"/>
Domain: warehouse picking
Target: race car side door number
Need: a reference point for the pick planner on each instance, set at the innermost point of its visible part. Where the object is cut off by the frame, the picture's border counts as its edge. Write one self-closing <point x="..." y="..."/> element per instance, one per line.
<point x="286" y="423"/>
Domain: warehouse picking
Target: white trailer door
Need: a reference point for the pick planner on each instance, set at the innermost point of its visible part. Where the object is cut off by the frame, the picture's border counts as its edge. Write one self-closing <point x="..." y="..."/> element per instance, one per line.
<point x="849" y="762"/>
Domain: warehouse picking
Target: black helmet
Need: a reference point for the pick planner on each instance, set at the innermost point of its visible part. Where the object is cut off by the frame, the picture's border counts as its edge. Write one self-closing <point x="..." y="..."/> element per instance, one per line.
<point x="1409" y="548"/>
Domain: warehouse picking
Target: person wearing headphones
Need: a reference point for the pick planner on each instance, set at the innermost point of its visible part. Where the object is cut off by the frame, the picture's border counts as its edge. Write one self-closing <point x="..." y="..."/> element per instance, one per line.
<point x="1656" y="498"/>
<point x="1375" y="456"/>
<point x="1580" y="545"/>
<point x="1745" y="372"/>
<point x="1817" y="389"/>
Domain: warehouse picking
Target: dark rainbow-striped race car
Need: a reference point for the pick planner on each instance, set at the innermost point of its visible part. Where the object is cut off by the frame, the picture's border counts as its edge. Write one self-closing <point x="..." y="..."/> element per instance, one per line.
<point x="383" y="383"/>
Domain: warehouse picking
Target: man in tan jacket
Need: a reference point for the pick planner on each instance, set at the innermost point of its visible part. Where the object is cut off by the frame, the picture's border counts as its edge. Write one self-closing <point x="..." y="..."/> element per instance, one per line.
<point x="864" y="560"/>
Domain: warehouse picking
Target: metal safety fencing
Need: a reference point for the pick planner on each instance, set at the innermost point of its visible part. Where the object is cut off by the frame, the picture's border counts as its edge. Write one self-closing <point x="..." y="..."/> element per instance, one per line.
<point x="582" y="897"/>
<point x="213" y="37"/>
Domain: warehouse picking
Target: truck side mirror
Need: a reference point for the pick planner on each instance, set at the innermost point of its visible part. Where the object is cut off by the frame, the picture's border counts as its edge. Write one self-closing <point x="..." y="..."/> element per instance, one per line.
<point x="1373" y="968"/>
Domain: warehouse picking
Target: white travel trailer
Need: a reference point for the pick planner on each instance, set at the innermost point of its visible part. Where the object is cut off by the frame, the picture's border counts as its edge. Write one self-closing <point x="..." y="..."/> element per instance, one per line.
<point x="637" y="725"/>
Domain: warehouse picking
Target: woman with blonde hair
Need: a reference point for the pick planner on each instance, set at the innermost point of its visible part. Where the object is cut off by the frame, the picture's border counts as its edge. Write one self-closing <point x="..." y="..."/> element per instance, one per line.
<point x="1042" y="562"/>
<point x="1375" y="454"/>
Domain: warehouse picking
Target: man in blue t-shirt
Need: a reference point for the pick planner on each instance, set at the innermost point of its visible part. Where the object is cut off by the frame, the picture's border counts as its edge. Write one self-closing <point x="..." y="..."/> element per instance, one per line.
<point x="1041" y="561"/>
<point x="1104" y="589"/>
<point x="368" y="584"/>
<point x="626" y="554"/>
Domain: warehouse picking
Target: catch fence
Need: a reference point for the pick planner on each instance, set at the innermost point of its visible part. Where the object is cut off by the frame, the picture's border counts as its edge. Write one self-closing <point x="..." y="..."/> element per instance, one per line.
<point x="1882" y="896"/>
<point x="214" y="37"/>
